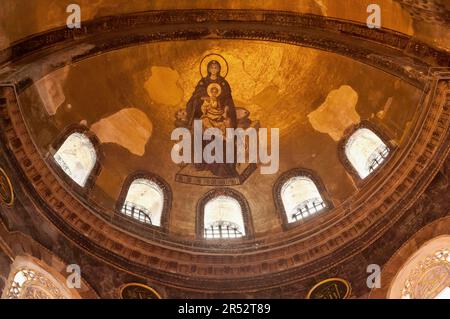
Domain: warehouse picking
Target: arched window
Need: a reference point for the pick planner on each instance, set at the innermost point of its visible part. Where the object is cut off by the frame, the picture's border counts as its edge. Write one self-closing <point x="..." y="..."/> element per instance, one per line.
<point x="144" y="201"/>
<point x="300" y="198"/>
<point x="425" y="274"/>
<point x="298" y="194"/>
<point x="223" y="218"/>
<point x="365" y="151"/>
<point x="223" y="214"/>
<point x="77" y="157"/>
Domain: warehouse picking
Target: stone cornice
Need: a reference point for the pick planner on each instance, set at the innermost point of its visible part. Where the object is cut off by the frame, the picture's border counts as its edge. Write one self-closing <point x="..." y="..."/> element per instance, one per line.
<point x="393" y="52"/>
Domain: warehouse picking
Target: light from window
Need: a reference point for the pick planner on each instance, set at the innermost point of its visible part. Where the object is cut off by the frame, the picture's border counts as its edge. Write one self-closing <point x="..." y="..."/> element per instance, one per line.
<point x="144" y="202"/>
<point x="301" y="198"/>
<point x="444" y="294"/>
<point x="77" y="157"/>
<point x="365" y="151"/>
<point x="223" y="218"/>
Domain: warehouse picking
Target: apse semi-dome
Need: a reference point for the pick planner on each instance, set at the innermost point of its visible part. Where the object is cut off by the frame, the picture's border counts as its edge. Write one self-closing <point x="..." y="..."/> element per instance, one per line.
<point x="353" y="121"/>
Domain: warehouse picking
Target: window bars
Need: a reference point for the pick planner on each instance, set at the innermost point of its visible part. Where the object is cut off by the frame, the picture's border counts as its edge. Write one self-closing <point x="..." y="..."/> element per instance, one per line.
<point x="137" y="212"/>
<point x="222" y="229"/>
<point x="377" y="157"/>
<point x="63" y="165"/>
<point x="308" y="207"/>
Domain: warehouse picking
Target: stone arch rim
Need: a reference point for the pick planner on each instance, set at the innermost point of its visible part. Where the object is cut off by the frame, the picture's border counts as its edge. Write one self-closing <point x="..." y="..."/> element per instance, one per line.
<point x="397" y="255"/>
<point x="262" y="25"/>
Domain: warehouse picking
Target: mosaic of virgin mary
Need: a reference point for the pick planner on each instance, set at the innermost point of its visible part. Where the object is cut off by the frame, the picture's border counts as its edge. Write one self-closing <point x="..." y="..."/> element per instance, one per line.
<point x="212" y="104"/>
<point x="212" y="76"/>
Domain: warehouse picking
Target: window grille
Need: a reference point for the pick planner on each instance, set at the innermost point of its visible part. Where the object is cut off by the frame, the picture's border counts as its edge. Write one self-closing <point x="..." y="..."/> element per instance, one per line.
<point x="222" y="229"/>
<point x="137" y="212"/>
<point x="308" y="207"/>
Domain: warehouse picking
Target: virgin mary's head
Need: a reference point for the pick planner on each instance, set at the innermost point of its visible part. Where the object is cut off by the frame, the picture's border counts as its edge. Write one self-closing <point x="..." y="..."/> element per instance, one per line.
<point x="213" y="68"/>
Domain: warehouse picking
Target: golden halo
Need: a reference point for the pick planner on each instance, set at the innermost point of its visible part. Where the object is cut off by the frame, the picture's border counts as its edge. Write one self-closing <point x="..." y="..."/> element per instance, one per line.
<point x="214" y="85"/>
<point x="217" y="57"/>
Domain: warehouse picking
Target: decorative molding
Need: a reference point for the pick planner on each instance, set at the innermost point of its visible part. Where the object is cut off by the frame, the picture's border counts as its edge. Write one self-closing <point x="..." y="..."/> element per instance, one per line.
<point x="431" y="272"/>
<point x="34" y="253"/>
<point x="390" y="51"/>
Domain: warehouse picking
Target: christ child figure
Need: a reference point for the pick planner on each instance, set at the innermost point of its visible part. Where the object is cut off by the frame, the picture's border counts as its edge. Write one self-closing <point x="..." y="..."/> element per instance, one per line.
<point x="215" y="115"/>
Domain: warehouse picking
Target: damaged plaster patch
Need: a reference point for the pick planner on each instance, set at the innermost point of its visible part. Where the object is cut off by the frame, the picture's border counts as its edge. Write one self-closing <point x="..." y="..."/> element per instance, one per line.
<point x="162" y="86"/>
<point x="50" y="89"/>
<point x="129" y="128"/>
<point x="337" y="112"/>
<point x="322" y="6"/>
